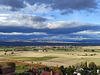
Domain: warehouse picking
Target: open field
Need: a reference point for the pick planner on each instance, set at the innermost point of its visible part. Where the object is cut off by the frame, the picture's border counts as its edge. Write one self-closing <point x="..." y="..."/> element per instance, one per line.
<point x="27" y="58"/>
<point x="53" y="58"/>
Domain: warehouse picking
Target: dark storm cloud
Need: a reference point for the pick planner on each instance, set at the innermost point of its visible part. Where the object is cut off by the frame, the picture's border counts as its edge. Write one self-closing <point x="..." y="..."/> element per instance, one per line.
<point x="34" y="18"/>
<point x="57" y="31"/>
<point x="38" y="19"/>
<point x="65" y="33"/>
<point x="15" y="4"/>
<point x="74" y="4"/>
<point x="66" y="6"/>
<point x="72" y="29"/>
<point x="15" y="29"/>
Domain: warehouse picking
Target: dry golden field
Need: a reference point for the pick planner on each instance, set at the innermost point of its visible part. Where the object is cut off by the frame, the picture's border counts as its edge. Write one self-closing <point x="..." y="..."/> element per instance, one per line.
<point x="63" y="58"/>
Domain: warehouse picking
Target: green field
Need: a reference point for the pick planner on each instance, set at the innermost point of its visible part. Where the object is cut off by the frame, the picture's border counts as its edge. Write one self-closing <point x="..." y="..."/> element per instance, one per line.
<point x="27" y="58"/>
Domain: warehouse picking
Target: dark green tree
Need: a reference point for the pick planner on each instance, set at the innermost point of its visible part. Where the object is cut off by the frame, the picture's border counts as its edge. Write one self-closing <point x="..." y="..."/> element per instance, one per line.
<point x="13" y="65"/>
<point x="92" y="65"/>
<point x="70" y="70"/>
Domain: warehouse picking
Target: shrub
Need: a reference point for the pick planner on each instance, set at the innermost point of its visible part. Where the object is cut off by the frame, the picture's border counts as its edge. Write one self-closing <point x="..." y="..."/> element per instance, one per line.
<point x="98" y="67"/>
<point x="12" y="52"/>
<point x="92" y="50"/>
<point x="84" y="72"/>
<point x="61" y="68"/>
<point x="83" y="64"/>
<point x="92" y="65"/>
<point x="20" y="74"/>
<point x="13" y="65"/>
<point x="70" y="70"/>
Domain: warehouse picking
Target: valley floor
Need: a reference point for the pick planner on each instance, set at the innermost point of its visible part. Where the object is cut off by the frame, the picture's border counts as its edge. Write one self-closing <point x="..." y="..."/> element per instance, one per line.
<point x="57" y="58"/>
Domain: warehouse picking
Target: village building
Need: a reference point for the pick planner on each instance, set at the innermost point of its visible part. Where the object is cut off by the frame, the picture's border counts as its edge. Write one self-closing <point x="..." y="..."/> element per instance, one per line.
<point x="50" y="73"/>
<point x="6" y="70"/>
<point x="47" y="47"/>
<point x="44" y="71"/>
<point x="50" y="51"/>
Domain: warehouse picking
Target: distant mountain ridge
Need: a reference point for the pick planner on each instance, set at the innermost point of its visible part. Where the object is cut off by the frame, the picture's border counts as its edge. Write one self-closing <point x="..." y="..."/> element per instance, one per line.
<point x="33" y="39"/>
<point x="43" y="43"/>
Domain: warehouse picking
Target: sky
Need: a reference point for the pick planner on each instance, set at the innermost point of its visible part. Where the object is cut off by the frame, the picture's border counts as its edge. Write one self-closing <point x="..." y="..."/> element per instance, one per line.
<point x="59" y="20"/>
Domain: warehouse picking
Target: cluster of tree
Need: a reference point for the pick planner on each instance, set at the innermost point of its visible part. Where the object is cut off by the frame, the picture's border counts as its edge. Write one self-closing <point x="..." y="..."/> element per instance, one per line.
<point x="13" y="65"/>
<point x="83" y="69"/>
<point x="89" y="50"/>
<point x="30" y="48"/>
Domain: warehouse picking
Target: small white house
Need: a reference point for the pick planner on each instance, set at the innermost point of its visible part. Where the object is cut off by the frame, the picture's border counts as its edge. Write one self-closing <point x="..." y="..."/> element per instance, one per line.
<point x="78" y="73"/>
<point x="40" y="50"/>
<point x="98" y="71"/>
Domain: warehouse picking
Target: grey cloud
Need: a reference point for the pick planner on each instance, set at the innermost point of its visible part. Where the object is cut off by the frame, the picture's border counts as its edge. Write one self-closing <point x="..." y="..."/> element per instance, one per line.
<point x="69" y="5"/>
<point x="56" y="31"/>
<point x="66" y="6"/>
<point x="15" y="4"/>
<point x="33" y="23"/>
<point x="65" y="30"/>
<point x="75" y="4"/>
<point x="38" y="19"/>
<point x="33" y="18"/>
<point x="67" y="12"/>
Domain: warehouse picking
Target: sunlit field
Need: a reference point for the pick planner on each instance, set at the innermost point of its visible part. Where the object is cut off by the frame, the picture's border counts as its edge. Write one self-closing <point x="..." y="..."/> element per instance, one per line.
<point x="56" y="58"/>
